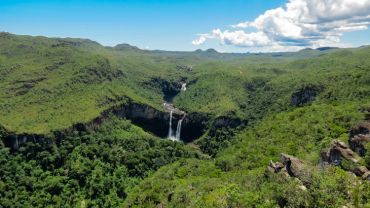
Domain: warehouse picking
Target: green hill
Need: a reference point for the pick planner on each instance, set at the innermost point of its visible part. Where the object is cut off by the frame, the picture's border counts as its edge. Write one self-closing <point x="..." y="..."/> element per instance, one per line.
<point x="89" y="126"/>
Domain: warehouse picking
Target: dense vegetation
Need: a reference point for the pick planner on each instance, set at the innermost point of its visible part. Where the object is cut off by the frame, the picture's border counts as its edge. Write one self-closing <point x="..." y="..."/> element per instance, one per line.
<point x="258" y="106"/>
<point x="92" y="168"/>
<point x="237" y="178"/>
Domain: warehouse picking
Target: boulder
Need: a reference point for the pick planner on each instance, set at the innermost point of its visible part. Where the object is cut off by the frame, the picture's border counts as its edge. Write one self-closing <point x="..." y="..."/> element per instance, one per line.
<point x="359" y="136"/>
<point x="340" y="151"/>
<point x="292" y="165"/>
<point x="366" y="176"/>
<point x="275" y="167"/>
<point x="360" y="171"/>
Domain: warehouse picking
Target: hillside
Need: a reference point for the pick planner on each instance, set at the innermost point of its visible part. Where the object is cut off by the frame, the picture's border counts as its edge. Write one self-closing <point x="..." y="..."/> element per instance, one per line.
<point x="85" y="125"/>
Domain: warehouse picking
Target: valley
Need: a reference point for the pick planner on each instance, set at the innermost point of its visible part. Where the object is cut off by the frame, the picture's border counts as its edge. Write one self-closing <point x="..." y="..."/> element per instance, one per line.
<point x="86" y="125"/>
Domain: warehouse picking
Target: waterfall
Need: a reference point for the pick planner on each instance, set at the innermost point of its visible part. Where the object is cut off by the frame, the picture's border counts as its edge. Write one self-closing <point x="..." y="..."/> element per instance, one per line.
<point x="177" y="136"/>
<point x="170" y="128"/>
<point x="183" y="87"/>
<point x="178" y="130"/>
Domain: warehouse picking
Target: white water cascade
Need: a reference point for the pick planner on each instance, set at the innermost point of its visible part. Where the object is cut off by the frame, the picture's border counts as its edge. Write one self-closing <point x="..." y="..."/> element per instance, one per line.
<point x="177" y="136"/>
<point x="170" y="128"/>
<point x="178" y="130"/>
<point x="183" y="87"/>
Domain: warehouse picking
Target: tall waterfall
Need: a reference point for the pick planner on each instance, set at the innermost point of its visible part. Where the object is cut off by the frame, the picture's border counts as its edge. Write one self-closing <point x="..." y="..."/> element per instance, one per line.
<point x="177" y="136"/>
<point x="170" y="128"/>
<point x="178" y="130"/>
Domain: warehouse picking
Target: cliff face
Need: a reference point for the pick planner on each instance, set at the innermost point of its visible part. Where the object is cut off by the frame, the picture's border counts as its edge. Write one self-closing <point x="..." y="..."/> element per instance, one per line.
<point x="150" y="119"/>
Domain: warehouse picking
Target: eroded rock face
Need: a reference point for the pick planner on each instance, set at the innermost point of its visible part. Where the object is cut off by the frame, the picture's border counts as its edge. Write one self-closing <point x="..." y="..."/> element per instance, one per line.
<point x="275" y="167"/>
<point x="337" y="152"/>
<point x="292" y="164"/>
<point x="14" y="141"/>
<point x="366" y="176"/>
<point x="359" y="136"/>
<point x="291" y="167"/>
<point x="360" y="171"/>
<point x="146" y="117"/>
<point x="305" y="95"/>
<point x="194" y="126"/>
<point x="150" y="119"/>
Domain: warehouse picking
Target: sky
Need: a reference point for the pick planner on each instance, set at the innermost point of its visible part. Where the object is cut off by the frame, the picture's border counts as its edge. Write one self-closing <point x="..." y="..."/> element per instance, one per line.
<point x="186" y="25"/>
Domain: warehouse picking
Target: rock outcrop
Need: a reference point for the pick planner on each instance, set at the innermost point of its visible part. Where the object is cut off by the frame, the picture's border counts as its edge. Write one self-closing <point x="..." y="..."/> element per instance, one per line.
<point x="360" y="170"/>
<point x="14" y="141"/>
<point x="291" y="166"/>
<point x="194" y="126"/>
<point x="359" y="136"/>
<point x="275" y="167"/>
<point x="337" y="152"/>
<point x="150" y="119"/>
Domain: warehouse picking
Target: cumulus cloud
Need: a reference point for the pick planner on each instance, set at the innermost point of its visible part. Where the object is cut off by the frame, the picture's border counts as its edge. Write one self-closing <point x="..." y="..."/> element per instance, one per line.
<point x="299" y="23"/>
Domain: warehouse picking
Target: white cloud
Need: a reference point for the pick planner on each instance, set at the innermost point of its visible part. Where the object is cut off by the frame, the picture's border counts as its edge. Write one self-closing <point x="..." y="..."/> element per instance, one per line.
<point x="201" y="39"/>
<point x="299" y="24"/>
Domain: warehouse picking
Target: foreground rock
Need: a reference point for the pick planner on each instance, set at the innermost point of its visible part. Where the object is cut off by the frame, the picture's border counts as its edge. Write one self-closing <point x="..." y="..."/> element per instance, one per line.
<point x="293" y="167"/>
<point x="339" y="154"/>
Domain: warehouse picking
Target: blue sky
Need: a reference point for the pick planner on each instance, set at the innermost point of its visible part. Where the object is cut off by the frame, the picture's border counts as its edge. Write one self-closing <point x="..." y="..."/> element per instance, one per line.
<point x="161" y="24"/>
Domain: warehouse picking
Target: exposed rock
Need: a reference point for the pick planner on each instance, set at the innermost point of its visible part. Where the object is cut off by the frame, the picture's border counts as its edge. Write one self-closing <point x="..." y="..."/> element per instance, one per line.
<point x="305" y="95"/>
<point x="275" y="167"/>
<point x="366" y="176"/>
<point x="293" y="167"/>
<point x="150" y="119"/>
<point x="337" y="152"/>
<point x="194" y="126"/>
<point x="169" y="107"/>
<point x="359" y="136"/>
<point x="360" y="170"/>
<point x="14" y="141"/>
<point x="292" y="164"/>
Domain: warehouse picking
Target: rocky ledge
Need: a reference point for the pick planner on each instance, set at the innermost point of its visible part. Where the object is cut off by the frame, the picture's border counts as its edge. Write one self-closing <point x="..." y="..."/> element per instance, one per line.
<point x="290" y="166"/>
<point x="149" y="118"/>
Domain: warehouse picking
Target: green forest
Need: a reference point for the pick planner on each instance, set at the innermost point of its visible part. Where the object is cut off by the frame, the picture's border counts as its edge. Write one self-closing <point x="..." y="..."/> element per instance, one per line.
<point x="86" y="125"/>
